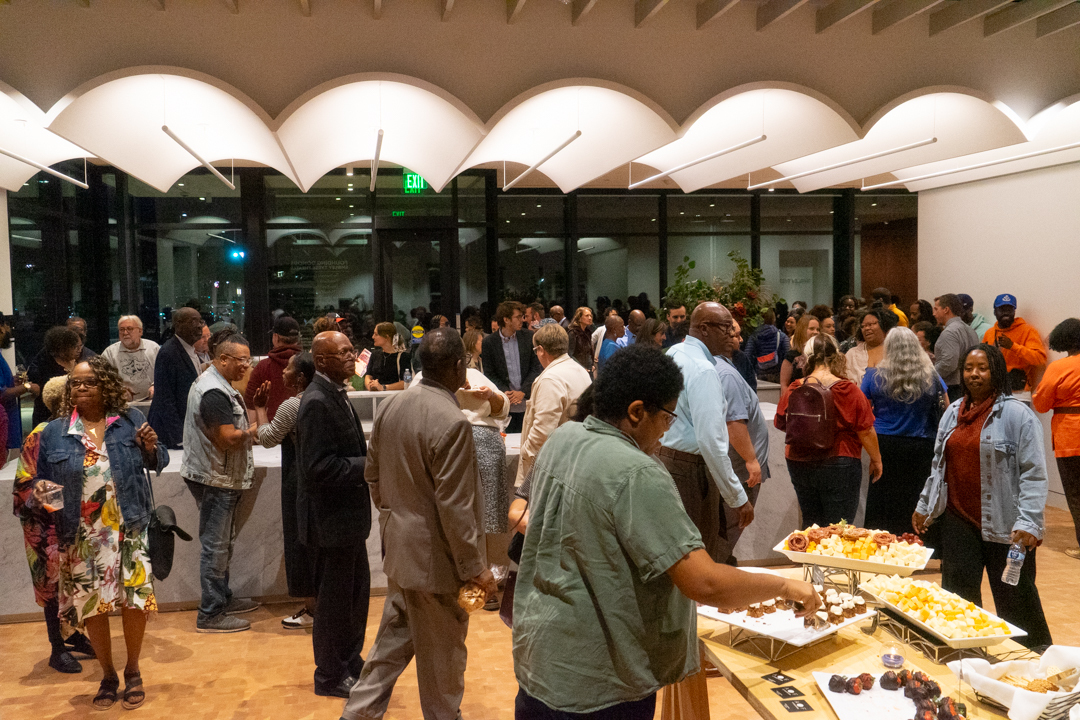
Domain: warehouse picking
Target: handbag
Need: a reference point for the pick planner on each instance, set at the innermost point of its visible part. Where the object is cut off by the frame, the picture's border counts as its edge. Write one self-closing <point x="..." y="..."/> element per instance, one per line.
<point x="506" y="607"/>
<point x="160" y="534"/>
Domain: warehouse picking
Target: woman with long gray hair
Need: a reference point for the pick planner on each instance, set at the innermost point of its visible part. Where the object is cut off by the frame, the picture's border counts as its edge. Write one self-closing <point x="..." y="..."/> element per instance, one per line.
<point x="906" y="394"/>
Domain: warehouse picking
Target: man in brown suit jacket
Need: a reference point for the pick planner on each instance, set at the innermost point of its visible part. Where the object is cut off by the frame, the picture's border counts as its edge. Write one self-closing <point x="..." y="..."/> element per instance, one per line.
<point x="422" y="472"/>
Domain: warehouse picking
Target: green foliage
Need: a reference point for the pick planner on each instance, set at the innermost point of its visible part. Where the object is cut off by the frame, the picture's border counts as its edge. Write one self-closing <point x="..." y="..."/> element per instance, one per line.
<point x="745" y="294"/>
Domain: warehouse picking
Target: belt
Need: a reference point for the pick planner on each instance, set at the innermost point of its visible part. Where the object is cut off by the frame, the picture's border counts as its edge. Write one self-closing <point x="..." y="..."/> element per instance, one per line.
<point x="1069" y="410"/>
<point x="681" y="456"/>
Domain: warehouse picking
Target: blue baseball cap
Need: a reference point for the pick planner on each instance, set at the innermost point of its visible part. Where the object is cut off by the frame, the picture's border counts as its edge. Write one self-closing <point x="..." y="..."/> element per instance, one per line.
<point x="1005" y="299"/>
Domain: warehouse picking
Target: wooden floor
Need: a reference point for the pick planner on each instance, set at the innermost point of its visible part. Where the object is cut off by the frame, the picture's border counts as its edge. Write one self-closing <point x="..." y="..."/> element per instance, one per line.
<point x="267" y="672"/>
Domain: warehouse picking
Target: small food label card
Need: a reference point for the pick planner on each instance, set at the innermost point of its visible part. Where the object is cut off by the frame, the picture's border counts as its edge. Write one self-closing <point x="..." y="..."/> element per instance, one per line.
<point x="778" y="678"/>
<point x="796" y="706"/>
<point x="787" y="691"/>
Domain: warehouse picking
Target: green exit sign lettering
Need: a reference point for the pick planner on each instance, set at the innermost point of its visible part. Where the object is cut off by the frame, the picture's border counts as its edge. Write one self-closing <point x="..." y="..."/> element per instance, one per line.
<point x="413" y="183"/>
<point x="398" y="213"/>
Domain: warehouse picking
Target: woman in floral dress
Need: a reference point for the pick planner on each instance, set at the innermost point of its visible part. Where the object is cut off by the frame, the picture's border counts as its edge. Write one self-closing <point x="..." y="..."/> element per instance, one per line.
<point x="39" y="536"/>
<point x="98" y="450"/>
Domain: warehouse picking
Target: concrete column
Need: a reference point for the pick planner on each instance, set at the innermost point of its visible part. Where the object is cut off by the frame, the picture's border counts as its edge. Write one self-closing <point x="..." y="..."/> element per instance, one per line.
<point x="7" y="302"/>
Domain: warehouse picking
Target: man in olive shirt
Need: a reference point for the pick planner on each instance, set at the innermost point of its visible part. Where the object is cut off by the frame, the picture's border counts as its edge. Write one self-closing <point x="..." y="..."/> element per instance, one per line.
<point x="604" y="612"/>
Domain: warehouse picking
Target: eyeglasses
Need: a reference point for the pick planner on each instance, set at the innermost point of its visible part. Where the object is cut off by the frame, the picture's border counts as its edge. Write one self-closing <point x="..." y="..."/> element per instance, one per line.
<point x="89" y="384"/>
<point x="343" y="355"/>
<point x="671" y="417"/>
<point x="243" y="361"/>
<point x="719" y="325"/>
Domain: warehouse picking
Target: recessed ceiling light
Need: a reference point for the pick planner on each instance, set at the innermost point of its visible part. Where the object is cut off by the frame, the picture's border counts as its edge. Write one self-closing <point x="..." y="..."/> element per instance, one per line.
<point x="830" y="212"/>
<point x="202" y="198"/>
<point x="654" y="220"/>
<point x="712" y="204"/>
<point x="337" y="198"/>
<point x="523" y="213"/>
<point x="772" y="189"/>
<point x="183" y="214"/>
<point x="698" y="215"/>
<point x="727" y="214"/>
<point x="181" y="184"/>
<point x="538" y="206"/>
<point x="507" y="221"/>
<point x="873" y="204"/>
<point x="350" y="206"/>
<point x="681" y="212"/>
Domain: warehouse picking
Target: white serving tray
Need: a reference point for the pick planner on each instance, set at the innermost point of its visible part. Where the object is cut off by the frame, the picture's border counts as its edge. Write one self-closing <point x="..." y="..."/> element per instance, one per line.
<point x="956" y="643"/>
<point x="781" y="625"/>
<point x="878" y="703"/>
<point x="867" y="566"/>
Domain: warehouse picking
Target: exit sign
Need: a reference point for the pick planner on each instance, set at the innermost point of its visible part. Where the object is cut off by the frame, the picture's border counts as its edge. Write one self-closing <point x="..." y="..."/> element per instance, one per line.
<point x="398" y="213"/>
<point x="413" y="183"/>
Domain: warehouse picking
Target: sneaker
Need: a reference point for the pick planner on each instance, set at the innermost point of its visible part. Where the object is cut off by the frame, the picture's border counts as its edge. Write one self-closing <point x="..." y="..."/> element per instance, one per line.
<point x="300" y="620"/>
<point x="222" y="624"/>
<point x="239" y="606"/>
<point x="1073" y="552"/>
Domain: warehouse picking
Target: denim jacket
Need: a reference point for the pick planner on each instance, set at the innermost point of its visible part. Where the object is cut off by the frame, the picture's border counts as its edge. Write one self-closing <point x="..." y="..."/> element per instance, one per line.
<point x="60" y="459"/>
<point x="203" y="461"/>
<point x="1013" y="467"/>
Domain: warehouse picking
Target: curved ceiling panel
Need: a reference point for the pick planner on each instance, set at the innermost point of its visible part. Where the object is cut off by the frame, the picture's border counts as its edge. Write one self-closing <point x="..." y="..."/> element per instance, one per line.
<point x="121" y="121"/>
<point x="1055" y="141"/>
<point x="615" y="129"/>
<point x="794" y="124"/>
<point x="423" y="131"/>
<point x="962" y="124"/>
<point x="22" y="131"/>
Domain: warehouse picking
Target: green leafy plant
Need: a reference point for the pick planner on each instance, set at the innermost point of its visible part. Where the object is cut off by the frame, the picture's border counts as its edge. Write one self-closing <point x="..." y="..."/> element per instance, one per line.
<point x="745" y="294"/>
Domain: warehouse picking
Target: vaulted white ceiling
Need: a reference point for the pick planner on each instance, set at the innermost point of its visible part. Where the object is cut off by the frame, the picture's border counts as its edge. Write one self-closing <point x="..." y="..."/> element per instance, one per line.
<point x="584" y="128"/>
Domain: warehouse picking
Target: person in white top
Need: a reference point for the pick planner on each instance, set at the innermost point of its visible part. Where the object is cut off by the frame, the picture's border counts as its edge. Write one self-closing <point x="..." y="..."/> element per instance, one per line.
<point x="487" y="409"/>
<point x="134" y="357"/>
<point x="554" y="396"/>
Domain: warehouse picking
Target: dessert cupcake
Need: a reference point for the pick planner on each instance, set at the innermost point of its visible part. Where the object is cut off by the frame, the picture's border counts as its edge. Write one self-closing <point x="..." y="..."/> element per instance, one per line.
<point x="836" y="615"/>
<point x="769" y="606"/>
<point x="846" y="597"/>
<point x="849" y="609"/>
<point x="782" y="604"/>
<point x="860" y="606"/>
<point x="755" y="611"/>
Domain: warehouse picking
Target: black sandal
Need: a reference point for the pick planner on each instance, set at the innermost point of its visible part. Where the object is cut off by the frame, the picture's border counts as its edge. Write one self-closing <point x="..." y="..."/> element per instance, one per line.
<point x="134" y="695"/>
<point x="106" y="695"/>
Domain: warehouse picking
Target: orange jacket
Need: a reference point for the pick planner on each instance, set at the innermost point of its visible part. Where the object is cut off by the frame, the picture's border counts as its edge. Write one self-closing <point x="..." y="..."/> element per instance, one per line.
<point x="1027" y="353"/>
<point x="1060" y="387"/>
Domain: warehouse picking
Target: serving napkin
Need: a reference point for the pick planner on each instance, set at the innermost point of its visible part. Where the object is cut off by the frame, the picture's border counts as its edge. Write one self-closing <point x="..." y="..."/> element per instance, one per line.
<point x="1022" y="704"/>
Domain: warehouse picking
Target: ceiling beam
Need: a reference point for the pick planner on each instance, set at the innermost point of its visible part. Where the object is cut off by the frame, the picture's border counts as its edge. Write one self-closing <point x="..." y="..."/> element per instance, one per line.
<point x="773" y="10"/>
<point x="305" y="8"/>
<point x="709" y="10"/>
<point x="1058" y="20"/>
<point x="958" y="13"/>
<point x="447" y="7"/>
<point x="890" y="13"/>
<point x="513" y="9"/>
<point x="838" y="11"/>
<point x="1020" y="13"/>
<point x="645" y="10"/>
<point x="580" y="9"/>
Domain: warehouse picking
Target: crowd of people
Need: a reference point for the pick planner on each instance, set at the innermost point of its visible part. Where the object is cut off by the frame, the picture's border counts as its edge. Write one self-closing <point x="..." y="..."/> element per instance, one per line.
<point x="643" y="449"/>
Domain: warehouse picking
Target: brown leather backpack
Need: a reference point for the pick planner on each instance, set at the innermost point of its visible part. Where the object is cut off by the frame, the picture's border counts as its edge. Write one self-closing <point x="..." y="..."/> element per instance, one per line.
<point x="810" y="419"/>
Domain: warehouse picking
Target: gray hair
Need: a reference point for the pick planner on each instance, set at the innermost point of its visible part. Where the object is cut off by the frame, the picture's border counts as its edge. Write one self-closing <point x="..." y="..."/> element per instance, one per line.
<point x="906" y="372"/>
<point x="133" y="318"/>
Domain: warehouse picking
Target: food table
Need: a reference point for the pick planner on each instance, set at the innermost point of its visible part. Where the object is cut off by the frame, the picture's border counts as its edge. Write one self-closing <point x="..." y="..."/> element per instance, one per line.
<point x="849" y="652"/>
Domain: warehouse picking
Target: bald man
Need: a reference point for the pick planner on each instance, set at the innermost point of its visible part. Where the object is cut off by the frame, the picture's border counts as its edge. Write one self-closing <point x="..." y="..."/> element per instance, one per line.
<point x="334" y="514"/>
<point x="614" y="332"/>
<point x="175" y="369"/>
<point x="637" y="319"/>
<point x="695" y="448"/>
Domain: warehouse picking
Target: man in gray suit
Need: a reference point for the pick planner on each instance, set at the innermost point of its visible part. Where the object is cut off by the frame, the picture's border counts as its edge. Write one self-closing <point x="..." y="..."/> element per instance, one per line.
<point x="422" y="472"/>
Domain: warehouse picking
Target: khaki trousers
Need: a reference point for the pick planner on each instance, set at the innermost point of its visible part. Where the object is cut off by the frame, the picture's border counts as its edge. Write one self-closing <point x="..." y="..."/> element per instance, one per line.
<point x="431" y="627"/>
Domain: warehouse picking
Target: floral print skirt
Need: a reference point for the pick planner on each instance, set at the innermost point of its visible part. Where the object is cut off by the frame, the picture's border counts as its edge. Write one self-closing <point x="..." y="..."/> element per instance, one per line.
<point x="106" y="567"/>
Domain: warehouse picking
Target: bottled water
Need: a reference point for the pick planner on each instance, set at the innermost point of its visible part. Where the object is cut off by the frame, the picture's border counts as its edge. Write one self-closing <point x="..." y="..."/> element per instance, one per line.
<point x="1011" y="576"/>
<point x="407" y="378"/>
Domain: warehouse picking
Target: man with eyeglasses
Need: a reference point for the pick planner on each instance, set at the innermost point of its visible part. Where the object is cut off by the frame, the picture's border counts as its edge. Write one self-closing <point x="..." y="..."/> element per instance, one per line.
<point x="695" y="449"/>
<point x="133" y="357"/>
<point x="217" y="467"/>
<point x="334" y="513"/>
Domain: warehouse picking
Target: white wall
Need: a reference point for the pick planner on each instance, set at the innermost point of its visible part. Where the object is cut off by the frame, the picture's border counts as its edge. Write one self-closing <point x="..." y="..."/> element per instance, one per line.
<point x="1018" y="234"/>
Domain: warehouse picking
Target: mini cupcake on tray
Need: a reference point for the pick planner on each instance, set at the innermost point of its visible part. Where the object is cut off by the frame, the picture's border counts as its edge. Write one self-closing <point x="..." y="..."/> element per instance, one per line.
<point x="860" y="606"/>
<point x="755" y="611"/>
<point x="849" y="609"/>
<point x="836" y="615"/>
<point x="769" y="606"/>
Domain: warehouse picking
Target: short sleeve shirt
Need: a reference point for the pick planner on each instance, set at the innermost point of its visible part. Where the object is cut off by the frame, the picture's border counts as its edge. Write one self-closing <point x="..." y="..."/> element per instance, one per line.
<point x="384" y="366"/>
<point x="742" y="404"/>
<point x="853" y="416"/>
<point x="597" y="621"/>
<point x="216" y="409"/>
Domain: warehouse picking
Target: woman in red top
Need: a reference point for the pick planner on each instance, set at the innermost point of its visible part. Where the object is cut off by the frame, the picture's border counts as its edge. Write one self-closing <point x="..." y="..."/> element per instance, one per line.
<point x="827" y="483"/>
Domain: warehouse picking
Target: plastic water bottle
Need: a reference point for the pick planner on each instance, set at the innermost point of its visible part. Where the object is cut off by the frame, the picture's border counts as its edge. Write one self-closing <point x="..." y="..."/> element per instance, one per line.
<point x="1011" y="576"/>
<point x="407" y="378"/>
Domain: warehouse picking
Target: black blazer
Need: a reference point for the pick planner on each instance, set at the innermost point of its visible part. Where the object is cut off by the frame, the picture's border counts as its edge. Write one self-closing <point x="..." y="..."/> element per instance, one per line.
<point x="173" y="376"/>
<point x="332" y="500"/>
<point x="491" y="353"/>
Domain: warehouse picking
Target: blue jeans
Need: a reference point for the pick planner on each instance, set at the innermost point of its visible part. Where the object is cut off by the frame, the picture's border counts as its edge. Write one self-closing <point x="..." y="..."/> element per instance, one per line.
<point x="217" y="512"/>
<point x="828" y="490"/>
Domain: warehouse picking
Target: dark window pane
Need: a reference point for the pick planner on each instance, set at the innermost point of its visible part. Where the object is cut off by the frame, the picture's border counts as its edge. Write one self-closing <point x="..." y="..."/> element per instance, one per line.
<point x="708" y="214"/>
<point x="790" y="213"/>
<point x="617" y="214"/>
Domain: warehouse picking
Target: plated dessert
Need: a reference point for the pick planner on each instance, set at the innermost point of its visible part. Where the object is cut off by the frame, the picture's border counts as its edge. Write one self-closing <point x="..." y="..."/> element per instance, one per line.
<point x="924" y="694"/>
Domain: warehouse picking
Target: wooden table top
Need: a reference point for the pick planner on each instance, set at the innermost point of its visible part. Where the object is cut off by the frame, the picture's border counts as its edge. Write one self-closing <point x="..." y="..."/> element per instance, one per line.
<point x="849" y="652"/>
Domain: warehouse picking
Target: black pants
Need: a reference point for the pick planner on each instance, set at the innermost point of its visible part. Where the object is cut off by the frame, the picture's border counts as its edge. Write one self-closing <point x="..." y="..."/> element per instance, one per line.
<point x="891" y="501"/>
<point x="527" y="707"/>
<point x="828" y="491"/>
<point x="1069" y="470"/>
<point x="341" y="610"/>
<point x="299" y="559"/>
<point x="964" y="556"/>
<point x="516" y="419"/>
